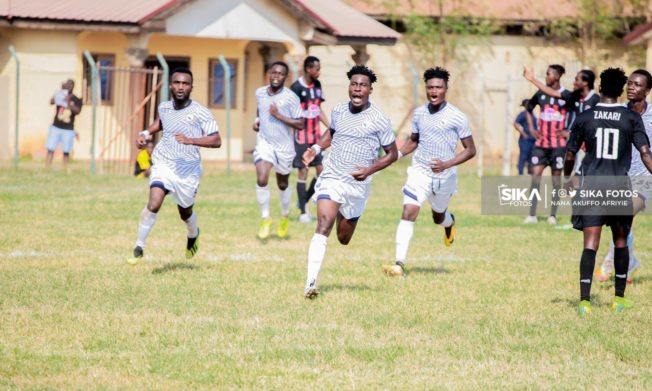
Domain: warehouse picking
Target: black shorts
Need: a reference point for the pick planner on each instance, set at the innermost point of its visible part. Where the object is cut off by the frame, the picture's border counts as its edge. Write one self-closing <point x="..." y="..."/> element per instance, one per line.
<point x="584" y="221"/>
<point x="553" y="157"/>
<point x="298" y="158"/>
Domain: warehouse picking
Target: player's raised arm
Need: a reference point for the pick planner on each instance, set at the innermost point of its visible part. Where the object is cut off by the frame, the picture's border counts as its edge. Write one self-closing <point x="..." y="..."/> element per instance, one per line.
<point x="323" y="143"/>
<point x="529" y="76"/>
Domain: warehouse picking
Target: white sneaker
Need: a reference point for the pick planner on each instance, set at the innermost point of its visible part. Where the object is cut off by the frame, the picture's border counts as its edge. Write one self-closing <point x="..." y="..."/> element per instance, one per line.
<point x="305" y="218"/>
<point x="530" y="220"/>
<point x="552" y="220"/>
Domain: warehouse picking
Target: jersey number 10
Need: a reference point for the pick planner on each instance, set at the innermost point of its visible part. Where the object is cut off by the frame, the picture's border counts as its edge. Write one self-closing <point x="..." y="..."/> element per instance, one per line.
<point x="607" y="139"/>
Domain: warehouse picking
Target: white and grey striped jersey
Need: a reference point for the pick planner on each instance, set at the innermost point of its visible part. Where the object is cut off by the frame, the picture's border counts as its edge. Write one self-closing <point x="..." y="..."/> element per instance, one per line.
<point x="356" y="141"/>
<point x="279" y="135"/>
<point x="438" y="137"/>
<point x="637" y="167"/>
<point x="193" y="121"/>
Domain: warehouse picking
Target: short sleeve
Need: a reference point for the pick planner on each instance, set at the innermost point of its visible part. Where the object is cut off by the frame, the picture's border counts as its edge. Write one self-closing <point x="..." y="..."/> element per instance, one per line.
<point x="207" y="123"/>
<point x="576" y="138"/>
<point x="415" y="122"/>
<point x="385" y="133"/>
<point x="334" y="118"/>
<point x="463" y="129"/>
<point x="294" y="107"/>
<point x="532" y="103"/>
<point x="639" y="137"/>
<point x="567" y="96"/>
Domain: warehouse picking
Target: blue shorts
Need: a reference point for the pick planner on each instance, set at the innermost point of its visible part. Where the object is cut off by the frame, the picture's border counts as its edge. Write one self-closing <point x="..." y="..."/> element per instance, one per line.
<point x="57" y="135"/>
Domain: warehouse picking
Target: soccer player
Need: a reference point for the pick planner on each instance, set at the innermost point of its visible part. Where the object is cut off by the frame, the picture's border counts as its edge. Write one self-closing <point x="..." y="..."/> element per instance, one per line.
<point x="549" y="147"/>
<point x="358" y="129"/>
<point x="308" y="89"/>
<point x="176" y="169"/>
<point x="639" y="84"/>
<point x="608" y="131"/>
<point x="436" y="128"/>
<point x="279" y="113"/>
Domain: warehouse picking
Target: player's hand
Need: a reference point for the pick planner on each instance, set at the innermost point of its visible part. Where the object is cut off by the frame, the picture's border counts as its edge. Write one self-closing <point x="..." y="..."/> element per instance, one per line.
<point x="527" y="74"/>
<point x="360" y="173"/>
<point x="273" y="111"/>
<point x="141" y="142"/>
<point x="308" y="156"/>
<point x="536" y="134"/>
<point x="256" y="125"/>
<point x="436" y="165"/>
<point x="563" y="133"/>
<point x="182" y="139"/>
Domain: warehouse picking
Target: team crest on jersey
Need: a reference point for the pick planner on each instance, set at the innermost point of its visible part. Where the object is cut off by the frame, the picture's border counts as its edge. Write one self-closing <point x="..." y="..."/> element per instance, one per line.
<point x="190" y="117"/>
<point x="562" y="102"/>
<point x="303" y="93"/>
<point x="318" y="92"/>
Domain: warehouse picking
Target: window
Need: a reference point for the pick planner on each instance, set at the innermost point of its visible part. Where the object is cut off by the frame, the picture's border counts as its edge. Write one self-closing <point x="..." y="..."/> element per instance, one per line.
<point x="105" y="64"/>
<point x="216" y="88"/>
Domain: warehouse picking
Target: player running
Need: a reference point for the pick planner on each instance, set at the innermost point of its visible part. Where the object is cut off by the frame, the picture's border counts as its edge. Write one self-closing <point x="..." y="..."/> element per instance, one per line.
<point x="436" y="128"/>
<point x="608" y="131"/>
<point x="638" y="88"/>
<point x="549" y="147"/>
<point x="176" y="169"/>
<point x="358" y="129"/>
<point x="279" y="113"/>
<point x="308" y="89"/>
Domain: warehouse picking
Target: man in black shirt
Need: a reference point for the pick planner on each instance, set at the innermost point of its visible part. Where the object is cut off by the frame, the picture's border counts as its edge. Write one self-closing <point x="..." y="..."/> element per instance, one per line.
<point x="62" y="130"/>
<point x="608" y="131"/>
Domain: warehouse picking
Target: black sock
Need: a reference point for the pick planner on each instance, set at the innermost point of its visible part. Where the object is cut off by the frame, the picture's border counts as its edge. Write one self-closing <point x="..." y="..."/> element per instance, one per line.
<point x="533" y="207"/>
<point x="587" y="264"/>
<point x="311" y="188"/>
<point x="301" y="195"/>
<point x="621" y="265"/>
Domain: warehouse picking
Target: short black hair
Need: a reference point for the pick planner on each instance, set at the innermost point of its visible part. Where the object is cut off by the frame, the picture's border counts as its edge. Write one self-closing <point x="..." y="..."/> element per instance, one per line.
<point x="612" y="82"/>
<point x="309" y="62"/>
<point x="646" y="74"/>
<point x="281" y="63"/>
<point x="436" y="73"/>
<point x="560" y="69"/>
<point x="362" y="70"/>
<point x="181" y="70"/>
<point x="588" y="76"/>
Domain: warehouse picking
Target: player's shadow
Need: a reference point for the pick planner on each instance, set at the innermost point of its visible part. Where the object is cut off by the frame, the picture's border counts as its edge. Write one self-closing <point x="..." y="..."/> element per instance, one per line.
<point x="172" y="267"/>
<point x="428" y="270"/>
<point x="574" y="302"/>
<point x="344" y="287"/>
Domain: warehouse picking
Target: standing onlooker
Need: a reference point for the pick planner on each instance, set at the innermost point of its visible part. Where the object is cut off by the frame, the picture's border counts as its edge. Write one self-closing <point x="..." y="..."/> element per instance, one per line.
<point x="525" y="140"/>
<point x="62" y="130"/>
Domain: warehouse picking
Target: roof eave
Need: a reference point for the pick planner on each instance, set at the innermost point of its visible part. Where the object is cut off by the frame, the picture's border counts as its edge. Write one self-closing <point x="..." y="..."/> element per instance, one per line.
<point x="640" y="34"/>
<point x="70" y="25"/>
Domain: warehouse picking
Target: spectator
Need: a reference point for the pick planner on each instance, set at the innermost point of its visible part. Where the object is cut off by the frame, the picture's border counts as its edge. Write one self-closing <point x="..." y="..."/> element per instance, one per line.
<point x="62" y="131"/>
<point x="525" y="139"/>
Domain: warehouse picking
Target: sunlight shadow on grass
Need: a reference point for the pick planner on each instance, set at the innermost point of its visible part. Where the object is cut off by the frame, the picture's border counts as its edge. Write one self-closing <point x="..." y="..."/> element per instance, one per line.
<point x="342" y="287"/>
<point x="425" y="270"/>
<point x="171" y="267"/>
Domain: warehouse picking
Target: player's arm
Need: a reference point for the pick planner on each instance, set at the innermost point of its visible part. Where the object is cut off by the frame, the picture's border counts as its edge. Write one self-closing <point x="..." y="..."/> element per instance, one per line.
<point x="530" y="118"/>
<point x="72" y="105"/>
<point x="323" y="143"/>
<point x="296" y="123"/>
<point x="574" y="142"/>
<point x="211" y="141"/>
<point x="324" y="120"/>
<point x="642" y="143"/>
<point x="520" y="129"/>
<point x="529" y="76"/>
<point x="465" y="154"/>
<point x="147" y="134"/>
<point x="410" y="145"/>
<point x="391" y="154"/>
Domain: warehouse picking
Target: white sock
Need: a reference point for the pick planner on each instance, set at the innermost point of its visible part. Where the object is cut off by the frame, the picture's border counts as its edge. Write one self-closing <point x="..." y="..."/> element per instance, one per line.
<point x="262" y="195"/>
<point x="448" y="220"/>
<point x="145" y="225"/>
<point x="286" y="198"/>
<point x="316" y="254"/>
<point x="191" y="223"/>
<point x="403" y="237"/>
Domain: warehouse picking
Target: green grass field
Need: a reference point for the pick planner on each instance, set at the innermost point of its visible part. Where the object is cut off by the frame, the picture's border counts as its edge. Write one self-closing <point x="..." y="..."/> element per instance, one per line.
<point x="497" y="310"/>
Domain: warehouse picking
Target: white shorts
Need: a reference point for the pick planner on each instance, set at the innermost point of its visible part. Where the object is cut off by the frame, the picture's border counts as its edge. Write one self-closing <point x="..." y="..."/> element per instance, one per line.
<point x="282" y="160"/>
<point x="352" y="197"/>
<point x="58" y="136"/>
<point x="420" y="187"/>
<point x="184" y="189"/>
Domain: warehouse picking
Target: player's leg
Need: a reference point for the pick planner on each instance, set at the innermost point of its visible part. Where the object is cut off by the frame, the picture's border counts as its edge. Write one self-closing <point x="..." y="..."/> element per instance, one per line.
<point x="440" y="197"/>
<point x="189" y="217"/>
<point x="311" y="188"/>
<point x="556" y="185"/>
<point x="327" y="211"/>
<point x="263" y="169"/>
<point x="620" y="231"/>
<point x="522" y="156"/>
<point x="302" y="193"/>
<point x="587" y="264"/>
<point x="285" y="193"/>
<point x="538" y="163"/>
<point x="404" y="233"/>
<point x="67" y="140"/>
<point x="147" y="220"/>
<point x="346" y="228"/>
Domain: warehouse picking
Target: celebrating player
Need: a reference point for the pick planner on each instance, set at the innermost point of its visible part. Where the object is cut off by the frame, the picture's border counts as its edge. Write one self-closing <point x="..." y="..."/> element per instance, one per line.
<point x="549" y="147"/>
<point x="279" y="112"/>
<point x="638" y="88"/>
<point x="176" y="169"/>
<point x="358" y="129"/>
<point x="608" y="131"/>
<point x="308" y="89"/>
<point x="436" y="128"/>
